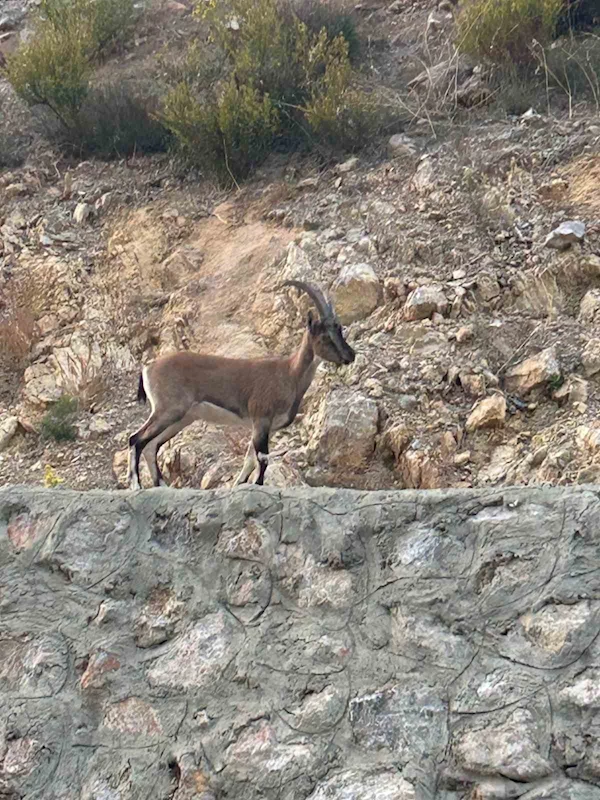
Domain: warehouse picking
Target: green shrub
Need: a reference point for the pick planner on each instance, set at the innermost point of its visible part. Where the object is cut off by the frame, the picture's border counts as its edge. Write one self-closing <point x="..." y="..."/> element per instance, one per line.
<point x="515" y="90"/>
<point x="230" y="135"/>
<point x="334" y="16"/>
<point x="109" y="22"/>
<point x="53" y="70"/>
<point x="114" y="120"/>
<point x="58" y="421"/>
<point x="278" y="86"/>
<point x="199" y="66"/>
<point x="572" y="66"/>
<point x="338" y="114"/>
<point x="502" y="31"/>
<point x="263" y="46"/>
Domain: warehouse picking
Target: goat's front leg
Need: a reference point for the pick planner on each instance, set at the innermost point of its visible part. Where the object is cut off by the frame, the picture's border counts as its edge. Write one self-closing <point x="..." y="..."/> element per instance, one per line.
<point x="249" y="465"/>
<point x="260" y="440"/>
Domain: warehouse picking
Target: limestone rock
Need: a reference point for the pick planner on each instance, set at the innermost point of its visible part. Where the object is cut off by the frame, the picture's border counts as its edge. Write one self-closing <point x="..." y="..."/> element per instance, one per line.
<point x="574" y="390"/>
<point x="198" y="657"/>
<point x="589" y="309"/>
<point x="487" y="289"/>
<point x="345" y="430"/>
<point x="133" y="716"/>
<point x="424" y="180"/>
<point x="158" y="618"/>
<point x="488" y="413"/>
<point x="420" y="469"/>
<point x="584" y="691"/>
<point x="297" y="267"/>
<point x="82" y="212"/>
<point x="396" y="439"/>
<point x="401" y="145"/>
<point x="472" y="384"/>
<point x="348" y="166"/>
<point x="554" y="626"/>
<point x="566" y="234"/>
<point x="590" y="358"/>
<point x="97" y="671"/>
<point x="464" y="334"/>
<point x="588" y="437"/>
<point x="8" y="428"/>
<point x="425" y="301"/>
<point x="359" y="785"/>
<point x="533" y="374"/>
<point x="356" y="293"/>
<point x="72" y="370"/>
<point x="511" y="749"/>
<point x="500" y="467"/>
<point x="41" y="384"/>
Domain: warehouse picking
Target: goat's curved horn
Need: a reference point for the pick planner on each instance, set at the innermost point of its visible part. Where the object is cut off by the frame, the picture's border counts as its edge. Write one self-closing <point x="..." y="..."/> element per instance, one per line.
<point x="324" y="308"/>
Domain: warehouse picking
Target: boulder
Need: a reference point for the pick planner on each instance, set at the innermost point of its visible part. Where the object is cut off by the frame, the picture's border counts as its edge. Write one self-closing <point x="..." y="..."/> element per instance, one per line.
<point x="356" y="293"/>
<point x="488" y="413"/>
<point x="82" y="212"/>
<point x="401" y="145"/>
<point x="565" y="235"/>
<point x="533" y="373"/>
<point x="425" y="301"/>
<point x="590" y="358"/>
<point x="589" y="309"/>
<point x="345" y="430"/>
<point x="8" y="428"/>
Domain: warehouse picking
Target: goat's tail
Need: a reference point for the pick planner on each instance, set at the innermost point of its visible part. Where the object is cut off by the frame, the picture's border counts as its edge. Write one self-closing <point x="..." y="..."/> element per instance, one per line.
<point x="141" y="395"/>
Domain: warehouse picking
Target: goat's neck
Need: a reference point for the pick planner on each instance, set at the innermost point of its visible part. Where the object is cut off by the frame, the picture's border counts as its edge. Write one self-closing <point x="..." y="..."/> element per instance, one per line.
<point x="303" y="362"/>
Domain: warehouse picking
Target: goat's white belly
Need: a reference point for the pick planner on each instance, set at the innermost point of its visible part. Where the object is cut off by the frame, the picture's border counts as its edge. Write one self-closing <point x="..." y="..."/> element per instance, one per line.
<point x="217" y="415"/>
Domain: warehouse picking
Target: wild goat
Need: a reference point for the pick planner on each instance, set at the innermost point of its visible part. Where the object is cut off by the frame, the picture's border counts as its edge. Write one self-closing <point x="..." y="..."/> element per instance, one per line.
<point x="263" y="393"/>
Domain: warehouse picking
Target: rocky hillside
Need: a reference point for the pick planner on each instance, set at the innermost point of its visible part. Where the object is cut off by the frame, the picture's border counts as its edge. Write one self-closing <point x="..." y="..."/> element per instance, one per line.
<point x="463" y="254"/>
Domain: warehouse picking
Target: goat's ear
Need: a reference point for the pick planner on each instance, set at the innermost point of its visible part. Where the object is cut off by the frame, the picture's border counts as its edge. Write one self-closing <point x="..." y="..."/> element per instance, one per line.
<point x="310" y="322"/>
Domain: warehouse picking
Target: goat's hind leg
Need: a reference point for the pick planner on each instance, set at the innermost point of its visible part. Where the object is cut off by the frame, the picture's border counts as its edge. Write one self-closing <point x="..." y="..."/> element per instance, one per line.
<point x="152" y="448"/>
<point x="156" y="424"/>
<point x="249" y="465"/>
<point x="260" y="440"/>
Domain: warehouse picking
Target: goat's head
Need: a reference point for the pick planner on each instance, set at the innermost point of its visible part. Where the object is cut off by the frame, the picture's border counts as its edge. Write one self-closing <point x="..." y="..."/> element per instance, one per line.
<point x="326" y="332"/>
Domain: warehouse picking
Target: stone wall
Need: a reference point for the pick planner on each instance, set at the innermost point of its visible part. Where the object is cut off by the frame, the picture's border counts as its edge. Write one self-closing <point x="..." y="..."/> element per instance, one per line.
<point x="321" y="644"/>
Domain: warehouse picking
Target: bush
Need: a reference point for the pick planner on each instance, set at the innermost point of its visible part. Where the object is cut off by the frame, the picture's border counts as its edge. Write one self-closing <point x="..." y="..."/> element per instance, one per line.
<point x="282" y="86"/>
<point x="263" y="46"/>
<point x="233" y="134"/>
<point x="58" y="421"/>
<point x="578" y="15"/>
<point x="114" y="120"/>
<point x="573" y="67"/>
<point x="51" y="479"/>
<point x="53" y="70"/>
<point x="502" y="31"/>
<point x="333" y="16"/>
<point x="108" y="23"/>
<point x="198" y="66"/>
<point x="340" y="115"/>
